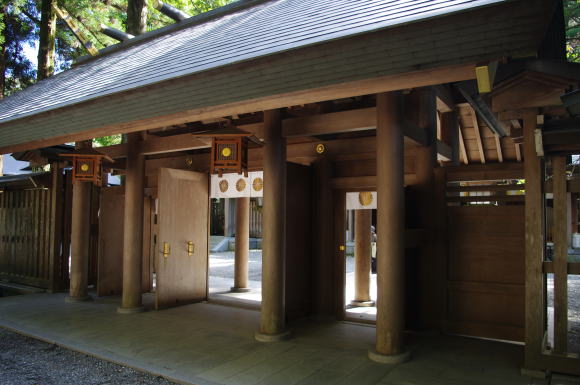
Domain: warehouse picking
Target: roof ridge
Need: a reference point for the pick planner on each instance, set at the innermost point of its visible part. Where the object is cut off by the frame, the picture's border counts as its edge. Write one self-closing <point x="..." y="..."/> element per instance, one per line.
<point x="202" y="18"/>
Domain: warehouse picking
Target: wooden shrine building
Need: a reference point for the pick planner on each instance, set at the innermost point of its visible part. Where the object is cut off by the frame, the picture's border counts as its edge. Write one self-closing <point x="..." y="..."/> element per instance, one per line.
<point x="460" y="114"/>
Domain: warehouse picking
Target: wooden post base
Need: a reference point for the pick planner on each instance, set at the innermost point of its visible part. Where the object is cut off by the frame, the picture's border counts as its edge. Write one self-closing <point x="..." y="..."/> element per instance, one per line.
<point x="234" y="289"/>
<point x="262" y="337"/>
<point x="355" y="303"/>
<point x="70" y="299"/>
<point x="130" y="310"/>
<point x="389" y="359"/>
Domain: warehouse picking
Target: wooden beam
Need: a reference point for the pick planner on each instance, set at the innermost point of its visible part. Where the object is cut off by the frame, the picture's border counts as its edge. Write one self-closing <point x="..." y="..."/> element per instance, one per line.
<point x="174" y="143"/>
<point x="498" y="147"/>
<point x="159" y="145"/>
<point x="518" y="152"/>
<point x="477" y="135"/>
<point x="336" y="123"/>
<point x="444" y="151"/>
<point x="445" y="102"/>
<point x="421" y="78"/>
<point x="462" y="149"/>
<point x="358" y="183"/>
<point x="450" y="134"/>
<point x="497" y="171"/>
<point x="560" y="236"/>
<point x="491" y="187"/>
<point x="330" y="123"/>
<point x="572" y="186"/>
<point x="573" y="268"/>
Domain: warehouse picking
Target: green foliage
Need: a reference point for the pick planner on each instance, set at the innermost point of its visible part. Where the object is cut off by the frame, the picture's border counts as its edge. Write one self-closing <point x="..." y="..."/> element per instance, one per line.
<point x="572" y="17"/>
<point x="17" y="32"/>
<point x="107" y="141"/>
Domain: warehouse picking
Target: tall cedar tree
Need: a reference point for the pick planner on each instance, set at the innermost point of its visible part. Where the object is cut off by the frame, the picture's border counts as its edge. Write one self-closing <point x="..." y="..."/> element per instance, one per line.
<point x="136" y="17"/>
<point x="47" y="38"/>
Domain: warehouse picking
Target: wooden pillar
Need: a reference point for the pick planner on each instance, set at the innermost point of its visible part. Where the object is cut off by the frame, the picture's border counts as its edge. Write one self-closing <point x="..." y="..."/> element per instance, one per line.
<point x="390" y="347"/>
<point x="56" y="222"/>
<point x="272" y="322"/>
<point x="574" y="213"/>
<point x="560" y="255"/>
<point x="362" y="258"/>
<point x="534" y="246"/>
<point x="242" y="245"/>
<point x="424" y="115"/>
<point x="80" y="236"/>
<point x="133" y="227"/>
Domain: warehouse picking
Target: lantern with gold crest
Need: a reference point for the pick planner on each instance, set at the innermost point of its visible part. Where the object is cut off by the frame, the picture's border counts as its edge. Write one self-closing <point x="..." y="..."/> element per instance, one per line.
<point x="229" y="150"/>
<point x="87" y="165"/>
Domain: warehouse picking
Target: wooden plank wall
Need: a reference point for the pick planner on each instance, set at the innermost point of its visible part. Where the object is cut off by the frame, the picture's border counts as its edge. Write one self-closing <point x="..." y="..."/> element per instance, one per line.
<point x="486" y="280"/>
<point x="25" y="243"/>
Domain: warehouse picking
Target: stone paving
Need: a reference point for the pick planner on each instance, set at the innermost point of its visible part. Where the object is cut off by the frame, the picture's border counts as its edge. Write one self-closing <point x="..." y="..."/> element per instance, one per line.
<point x="207" y="344"/>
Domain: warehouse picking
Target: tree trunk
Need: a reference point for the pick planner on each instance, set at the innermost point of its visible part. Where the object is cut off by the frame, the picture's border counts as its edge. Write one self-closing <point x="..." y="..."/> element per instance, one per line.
<point x="136" y="25"/>
<point x="4" y="13"/>
<point x="46" y="45"/>
<point x="136" y="17"/>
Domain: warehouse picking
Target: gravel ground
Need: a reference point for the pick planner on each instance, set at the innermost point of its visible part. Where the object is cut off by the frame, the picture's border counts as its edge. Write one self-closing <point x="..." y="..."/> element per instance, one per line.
<point x="26" y="361"/>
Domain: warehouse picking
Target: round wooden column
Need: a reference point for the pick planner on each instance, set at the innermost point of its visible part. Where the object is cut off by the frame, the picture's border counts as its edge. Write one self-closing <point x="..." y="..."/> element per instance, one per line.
<point x="390" y="347"/>
<point x="80" y="235"/>
<point x="362" y="258"/>
<point x="272" y="322"/>
<point x="133" y="227"/>
<point x="242" y="245"/>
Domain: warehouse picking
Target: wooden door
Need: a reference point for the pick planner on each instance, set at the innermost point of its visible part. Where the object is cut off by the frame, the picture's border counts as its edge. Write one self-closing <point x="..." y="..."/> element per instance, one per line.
<point x="182" y="218"/>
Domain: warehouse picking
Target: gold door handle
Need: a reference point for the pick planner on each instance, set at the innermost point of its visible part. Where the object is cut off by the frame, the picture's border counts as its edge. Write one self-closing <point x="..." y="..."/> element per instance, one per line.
<point x="190" y="248"/>
<point x="166" y="249"/>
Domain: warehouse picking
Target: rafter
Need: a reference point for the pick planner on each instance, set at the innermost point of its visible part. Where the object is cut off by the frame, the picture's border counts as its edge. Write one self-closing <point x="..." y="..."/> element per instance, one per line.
<point x="477" y="135"/>
<point x="498" y="147"/>
<point x="462" y="150"/>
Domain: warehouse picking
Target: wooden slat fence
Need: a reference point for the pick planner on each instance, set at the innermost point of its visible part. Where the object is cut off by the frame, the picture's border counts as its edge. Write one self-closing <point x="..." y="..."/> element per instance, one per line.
<point x="35" y="233"/>
<point x="25" y="236"/>
<point x="255" y="219"/>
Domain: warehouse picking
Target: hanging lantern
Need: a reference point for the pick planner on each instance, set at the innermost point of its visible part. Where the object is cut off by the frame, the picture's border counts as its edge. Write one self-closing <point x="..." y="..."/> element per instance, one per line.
<point x="229" y="150"/>
<point x="87" y="165"/>
<point x="229" y="154"/>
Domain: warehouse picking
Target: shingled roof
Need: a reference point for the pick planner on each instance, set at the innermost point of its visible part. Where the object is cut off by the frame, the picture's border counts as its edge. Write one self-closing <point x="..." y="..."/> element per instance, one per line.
<point x="241" y="32"/>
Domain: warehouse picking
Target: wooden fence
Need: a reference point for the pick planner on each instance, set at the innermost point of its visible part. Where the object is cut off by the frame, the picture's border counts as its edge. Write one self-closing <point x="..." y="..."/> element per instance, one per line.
<point x="255" y="219"/>
<point x="33" y="247"/>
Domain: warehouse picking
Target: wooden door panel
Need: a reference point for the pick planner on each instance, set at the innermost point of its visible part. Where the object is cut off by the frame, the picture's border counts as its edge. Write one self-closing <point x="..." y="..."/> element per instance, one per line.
<point x="485" y="288"/>
<point x="110" y="261"/>
<point x="182" y="218"/>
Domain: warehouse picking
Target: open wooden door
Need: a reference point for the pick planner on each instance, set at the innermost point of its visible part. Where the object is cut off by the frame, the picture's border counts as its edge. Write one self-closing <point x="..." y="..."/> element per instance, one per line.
<point x="182" y="251"/>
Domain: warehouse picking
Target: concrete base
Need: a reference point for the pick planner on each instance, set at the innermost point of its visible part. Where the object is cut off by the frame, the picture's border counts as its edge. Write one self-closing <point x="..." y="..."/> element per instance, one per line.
<point x="263" y="337"/>
<point x="130" y="310"/>
<point x="356" y="303"/>
<point x="69" y="299"/>
<point x="240" y="289"/>
<point x="389" y="359"/>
